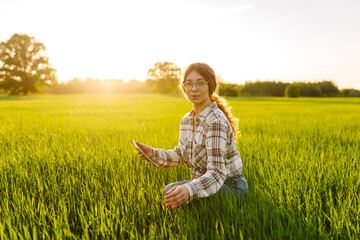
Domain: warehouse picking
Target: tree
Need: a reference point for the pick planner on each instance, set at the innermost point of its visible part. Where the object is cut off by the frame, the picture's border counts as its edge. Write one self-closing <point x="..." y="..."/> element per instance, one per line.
<point x="229" y="89"/>
<point x="308" y="89"/>
<point x="349" y="92"/>
<point x="23" y="68"/>
<point x="164" y="78"/>
<point x="328" y="88"/>
<point x="265" y="88"/>
<point x="292" y="91"/>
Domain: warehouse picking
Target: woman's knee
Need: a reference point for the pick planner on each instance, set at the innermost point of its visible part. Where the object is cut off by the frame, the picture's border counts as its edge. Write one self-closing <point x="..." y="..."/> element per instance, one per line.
<point x="171" y="185"/>
<point x="167" y="188"/>
<point x="235" y="187"/>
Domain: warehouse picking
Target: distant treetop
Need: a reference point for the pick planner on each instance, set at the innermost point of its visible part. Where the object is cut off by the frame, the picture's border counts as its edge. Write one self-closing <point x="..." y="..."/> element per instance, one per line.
<point x="23" y="67"/>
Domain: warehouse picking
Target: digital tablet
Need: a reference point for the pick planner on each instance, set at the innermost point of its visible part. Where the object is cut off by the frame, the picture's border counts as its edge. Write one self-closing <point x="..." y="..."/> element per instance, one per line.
<point x="145" y="155"/>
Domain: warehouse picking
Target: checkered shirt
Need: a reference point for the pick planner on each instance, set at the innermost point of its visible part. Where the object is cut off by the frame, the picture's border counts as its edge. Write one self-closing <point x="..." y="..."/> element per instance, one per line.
<point x="209" y="151"/>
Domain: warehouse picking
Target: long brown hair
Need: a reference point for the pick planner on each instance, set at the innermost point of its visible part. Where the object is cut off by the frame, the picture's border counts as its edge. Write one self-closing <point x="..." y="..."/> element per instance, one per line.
<point x="208" y="74"/>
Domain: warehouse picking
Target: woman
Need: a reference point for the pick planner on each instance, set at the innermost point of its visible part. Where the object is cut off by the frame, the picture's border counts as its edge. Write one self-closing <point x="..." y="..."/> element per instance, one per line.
<point x="206" y="144"/>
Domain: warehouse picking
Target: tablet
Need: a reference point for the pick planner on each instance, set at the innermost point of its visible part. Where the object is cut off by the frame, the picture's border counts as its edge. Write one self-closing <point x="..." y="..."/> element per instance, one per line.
<point x="145" y="155"/>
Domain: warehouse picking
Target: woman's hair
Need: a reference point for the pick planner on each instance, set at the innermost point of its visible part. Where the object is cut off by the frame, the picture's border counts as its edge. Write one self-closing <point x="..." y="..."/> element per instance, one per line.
<point x="208" y="74"/>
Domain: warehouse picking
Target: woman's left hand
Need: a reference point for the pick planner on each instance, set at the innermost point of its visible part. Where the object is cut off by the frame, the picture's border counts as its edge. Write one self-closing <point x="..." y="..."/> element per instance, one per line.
<point x="176" y="196"/>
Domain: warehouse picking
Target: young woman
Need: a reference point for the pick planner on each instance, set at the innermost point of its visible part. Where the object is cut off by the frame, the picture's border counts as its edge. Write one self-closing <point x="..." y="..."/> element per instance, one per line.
<point x="206" y="144"/>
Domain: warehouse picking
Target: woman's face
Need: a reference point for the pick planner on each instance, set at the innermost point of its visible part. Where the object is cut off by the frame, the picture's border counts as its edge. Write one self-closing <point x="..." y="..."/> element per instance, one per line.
<point x="196" y="88"/>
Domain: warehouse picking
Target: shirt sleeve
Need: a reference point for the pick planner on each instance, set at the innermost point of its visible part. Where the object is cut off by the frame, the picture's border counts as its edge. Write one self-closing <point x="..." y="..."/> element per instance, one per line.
<point x="168" y="158"/>
<point x="209" y="183"/>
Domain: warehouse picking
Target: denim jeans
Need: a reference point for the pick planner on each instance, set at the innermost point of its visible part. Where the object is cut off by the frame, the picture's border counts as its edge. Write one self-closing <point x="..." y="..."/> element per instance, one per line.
<point x="236" y="187"/>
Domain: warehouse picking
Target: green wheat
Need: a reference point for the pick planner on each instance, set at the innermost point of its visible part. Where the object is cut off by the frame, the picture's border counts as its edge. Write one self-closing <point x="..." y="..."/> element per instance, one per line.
<point x="68" y="169"/>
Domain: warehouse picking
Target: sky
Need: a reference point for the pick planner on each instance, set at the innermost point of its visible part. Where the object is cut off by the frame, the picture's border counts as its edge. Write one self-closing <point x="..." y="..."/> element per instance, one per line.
<point x="242" y="40"/>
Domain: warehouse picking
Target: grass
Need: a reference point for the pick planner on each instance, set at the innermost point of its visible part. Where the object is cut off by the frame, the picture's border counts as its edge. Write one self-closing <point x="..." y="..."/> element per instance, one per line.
<point x="69" y="170"/>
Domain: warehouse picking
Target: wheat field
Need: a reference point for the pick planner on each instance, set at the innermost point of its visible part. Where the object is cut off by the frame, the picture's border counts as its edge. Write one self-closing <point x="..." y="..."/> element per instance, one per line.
<point x="68" y="169"/>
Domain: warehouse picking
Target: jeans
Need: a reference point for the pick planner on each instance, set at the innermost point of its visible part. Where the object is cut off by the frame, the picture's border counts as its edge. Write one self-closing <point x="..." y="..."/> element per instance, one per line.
<point x="235" y="186"/>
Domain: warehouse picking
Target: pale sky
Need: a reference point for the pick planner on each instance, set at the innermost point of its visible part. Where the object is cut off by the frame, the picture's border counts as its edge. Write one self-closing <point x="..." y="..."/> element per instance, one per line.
<point x="286" y="40"/>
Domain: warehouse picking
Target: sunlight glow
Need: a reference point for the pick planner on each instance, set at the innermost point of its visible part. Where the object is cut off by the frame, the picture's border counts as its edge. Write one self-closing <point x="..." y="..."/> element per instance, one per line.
<point x="241" y="40"/>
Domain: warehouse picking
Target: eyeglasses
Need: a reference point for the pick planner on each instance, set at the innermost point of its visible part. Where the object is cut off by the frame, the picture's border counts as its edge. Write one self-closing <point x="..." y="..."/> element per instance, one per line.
<point x="199" y="85"/>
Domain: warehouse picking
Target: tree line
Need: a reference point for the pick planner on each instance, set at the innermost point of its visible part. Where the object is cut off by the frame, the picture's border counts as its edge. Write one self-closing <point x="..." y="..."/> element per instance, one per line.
<point x="249" y="89"/>
<point x="25" y="69"/>
<point x="324" y="88"/>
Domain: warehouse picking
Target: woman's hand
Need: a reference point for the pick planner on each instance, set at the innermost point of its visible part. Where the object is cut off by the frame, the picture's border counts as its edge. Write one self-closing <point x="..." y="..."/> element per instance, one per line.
<point x="176" y="196"/>
<point x="146" y="149"/>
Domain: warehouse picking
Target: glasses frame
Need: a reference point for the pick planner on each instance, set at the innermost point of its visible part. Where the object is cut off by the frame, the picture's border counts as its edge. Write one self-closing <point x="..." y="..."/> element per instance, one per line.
<point x="196" y="85"/>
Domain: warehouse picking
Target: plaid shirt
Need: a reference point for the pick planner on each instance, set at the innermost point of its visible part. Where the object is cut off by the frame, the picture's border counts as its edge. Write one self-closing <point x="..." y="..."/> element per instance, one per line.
<point x="209" y="151"/>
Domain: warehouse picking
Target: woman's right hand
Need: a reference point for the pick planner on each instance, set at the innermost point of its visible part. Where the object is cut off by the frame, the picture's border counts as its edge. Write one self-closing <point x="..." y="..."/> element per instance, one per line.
<point x="146" y="149"/>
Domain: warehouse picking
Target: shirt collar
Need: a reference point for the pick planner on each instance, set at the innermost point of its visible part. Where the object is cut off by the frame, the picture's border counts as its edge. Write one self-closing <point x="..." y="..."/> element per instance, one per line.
<point x="204" y="113"/>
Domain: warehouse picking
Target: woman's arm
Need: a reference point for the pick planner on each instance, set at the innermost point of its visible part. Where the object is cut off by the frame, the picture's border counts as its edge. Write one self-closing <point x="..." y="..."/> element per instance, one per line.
<point x="168" y="158"/>
<point x="164" y="158"/>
